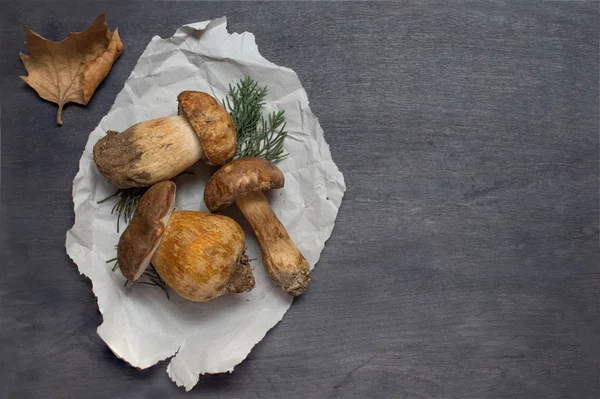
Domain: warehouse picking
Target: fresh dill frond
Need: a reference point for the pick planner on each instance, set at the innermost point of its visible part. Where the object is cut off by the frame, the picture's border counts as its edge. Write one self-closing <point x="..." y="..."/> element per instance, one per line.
<point x="127" y="201"/>
<point x="149" y="277"/>
<point x="155" y="279"/>
<point x="256" y="136"/>
<point x="115" y="265"/>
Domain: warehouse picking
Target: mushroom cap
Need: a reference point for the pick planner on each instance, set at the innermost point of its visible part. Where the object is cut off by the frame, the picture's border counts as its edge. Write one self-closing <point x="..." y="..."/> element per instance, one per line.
<point x="212" y="124"/>
<point x="238" y="178"/>
<point x="199" y="255"/>
<point x="141" y="238"/>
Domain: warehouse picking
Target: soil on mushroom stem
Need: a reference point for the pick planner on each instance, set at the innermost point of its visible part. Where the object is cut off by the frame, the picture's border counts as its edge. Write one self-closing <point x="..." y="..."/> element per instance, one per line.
<point x="243" y="279"/>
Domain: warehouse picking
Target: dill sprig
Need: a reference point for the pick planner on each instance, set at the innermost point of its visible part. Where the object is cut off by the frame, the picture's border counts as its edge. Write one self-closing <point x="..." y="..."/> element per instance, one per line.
<point x="126" y="203"/>
<point x="115" y="265"/>
<point x="154" y="279"/>
<point x="256" y="136"/>
<point x="151" y="277"/>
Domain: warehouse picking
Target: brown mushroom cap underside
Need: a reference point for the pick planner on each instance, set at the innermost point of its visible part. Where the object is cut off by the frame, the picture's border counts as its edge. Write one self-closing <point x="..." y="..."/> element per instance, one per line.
<point x="238" y="178"/>
<point x="212" y="124"/>
<point x="143" y="235"/>
<point x="199" y="254"/>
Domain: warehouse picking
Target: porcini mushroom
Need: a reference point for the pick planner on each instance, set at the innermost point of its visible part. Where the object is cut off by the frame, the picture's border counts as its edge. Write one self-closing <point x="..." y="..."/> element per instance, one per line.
<point x="198" y="254"/>
<point x="201" y="256"/>
<point x="242" y="181"/>
<point x="162" y="148"/>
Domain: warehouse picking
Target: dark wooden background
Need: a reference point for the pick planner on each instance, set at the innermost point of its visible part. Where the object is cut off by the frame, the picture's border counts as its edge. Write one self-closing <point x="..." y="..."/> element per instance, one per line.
<point x="465" y="260"/>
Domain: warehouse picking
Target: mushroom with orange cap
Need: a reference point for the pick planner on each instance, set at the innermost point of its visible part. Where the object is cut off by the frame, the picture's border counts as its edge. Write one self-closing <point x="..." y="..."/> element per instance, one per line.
<point x="198" y="254"/>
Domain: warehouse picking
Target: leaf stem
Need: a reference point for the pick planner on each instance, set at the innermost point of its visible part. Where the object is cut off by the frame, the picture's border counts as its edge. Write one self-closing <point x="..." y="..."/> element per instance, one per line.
<point x="59" y="113"/>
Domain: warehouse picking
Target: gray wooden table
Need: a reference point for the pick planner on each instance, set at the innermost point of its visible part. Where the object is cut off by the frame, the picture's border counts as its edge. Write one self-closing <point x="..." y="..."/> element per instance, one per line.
<point x="465" y="259"/>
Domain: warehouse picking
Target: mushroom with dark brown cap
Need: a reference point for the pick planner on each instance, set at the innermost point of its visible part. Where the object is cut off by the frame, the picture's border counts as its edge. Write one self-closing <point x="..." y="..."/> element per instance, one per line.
<point x="199" y="255"/>
<point x="141" y="238"/>
<point x="242" y="181"/>
<point x="162" y="148"/>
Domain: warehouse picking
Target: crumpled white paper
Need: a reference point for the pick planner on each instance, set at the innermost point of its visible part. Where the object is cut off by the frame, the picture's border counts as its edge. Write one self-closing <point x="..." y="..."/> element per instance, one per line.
<point x="141" y="326"/>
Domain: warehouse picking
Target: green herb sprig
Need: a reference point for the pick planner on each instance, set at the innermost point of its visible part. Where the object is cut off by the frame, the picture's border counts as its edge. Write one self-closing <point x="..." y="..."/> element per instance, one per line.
<point x="256" y="136"/>
<point x="150" y="274"/>
<point x="125" y="205"/>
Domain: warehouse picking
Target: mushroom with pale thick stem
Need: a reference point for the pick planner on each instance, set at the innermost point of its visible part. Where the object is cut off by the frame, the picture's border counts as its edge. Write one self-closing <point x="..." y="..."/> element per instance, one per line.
<point x="243" y="181"/>
<point x="198" y="254"/>
<point x="160" y="149"/>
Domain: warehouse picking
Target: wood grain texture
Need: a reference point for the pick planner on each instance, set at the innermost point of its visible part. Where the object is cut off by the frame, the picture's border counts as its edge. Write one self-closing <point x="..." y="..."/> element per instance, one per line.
<point x="465" y="258"/>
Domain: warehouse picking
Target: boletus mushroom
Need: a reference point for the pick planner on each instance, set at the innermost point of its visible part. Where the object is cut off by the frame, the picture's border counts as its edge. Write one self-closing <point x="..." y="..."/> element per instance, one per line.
<point x="242" y="181"/>
<point x="198" y="254"/>
<point x="162" y="148"/>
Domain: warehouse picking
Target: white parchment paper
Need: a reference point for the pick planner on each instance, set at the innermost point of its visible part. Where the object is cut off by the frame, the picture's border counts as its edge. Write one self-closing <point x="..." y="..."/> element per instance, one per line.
<point x="141" y="326"/>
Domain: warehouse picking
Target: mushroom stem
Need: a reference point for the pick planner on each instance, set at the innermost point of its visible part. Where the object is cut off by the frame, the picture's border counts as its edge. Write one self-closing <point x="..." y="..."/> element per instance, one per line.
<point x="282" y="259"/>
<point x="149" y="152"/>
<point x="242" y="279"/>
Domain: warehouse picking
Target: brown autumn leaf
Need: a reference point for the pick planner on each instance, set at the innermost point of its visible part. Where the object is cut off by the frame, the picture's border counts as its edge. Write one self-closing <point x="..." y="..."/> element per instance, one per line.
<point x="69" y="71"/>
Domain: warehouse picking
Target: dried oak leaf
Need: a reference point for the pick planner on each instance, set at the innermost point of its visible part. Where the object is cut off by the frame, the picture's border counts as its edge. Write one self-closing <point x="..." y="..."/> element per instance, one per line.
<point x="71" y="70"/>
